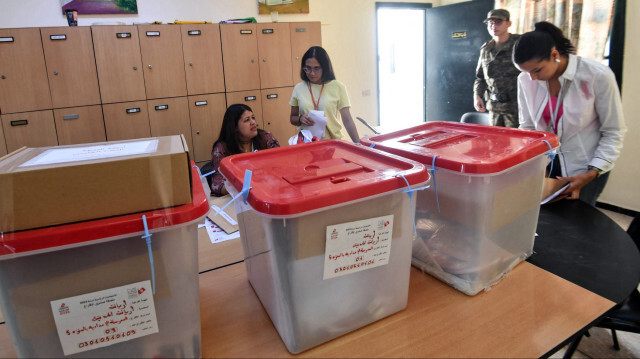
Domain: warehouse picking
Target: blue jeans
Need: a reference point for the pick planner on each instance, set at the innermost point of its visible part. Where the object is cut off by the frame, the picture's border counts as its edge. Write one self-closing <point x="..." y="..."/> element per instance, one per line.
<point x="592" y="190"/>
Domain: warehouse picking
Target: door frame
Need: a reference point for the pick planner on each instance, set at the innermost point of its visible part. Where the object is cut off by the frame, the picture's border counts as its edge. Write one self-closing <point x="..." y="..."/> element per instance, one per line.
<point x="403" y="5"/>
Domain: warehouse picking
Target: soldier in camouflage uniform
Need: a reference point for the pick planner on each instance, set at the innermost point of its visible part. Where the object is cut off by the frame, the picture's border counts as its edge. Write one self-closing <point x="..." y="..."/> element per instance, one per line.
<point x="496" y="76"/>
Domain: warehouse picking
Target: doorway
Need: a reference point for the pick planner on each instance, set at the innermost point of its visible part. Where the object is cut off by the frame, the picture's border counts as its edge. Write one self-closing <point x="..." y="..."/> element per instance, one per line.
<point x="400" y="33"/>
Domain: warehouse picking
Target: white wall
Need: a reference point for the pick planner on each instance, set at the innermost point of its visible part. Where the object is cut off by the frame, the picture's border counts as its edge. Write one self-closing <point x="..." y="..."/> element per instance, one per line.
<point x="348" y="34"/>
<point x="623" y="188"/>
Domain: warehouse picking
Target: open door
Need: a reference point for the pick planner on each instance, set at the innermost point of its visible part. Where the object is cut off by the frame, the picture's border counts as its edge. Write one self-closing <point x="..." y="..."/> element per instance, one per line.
<point x="455" y="34"/>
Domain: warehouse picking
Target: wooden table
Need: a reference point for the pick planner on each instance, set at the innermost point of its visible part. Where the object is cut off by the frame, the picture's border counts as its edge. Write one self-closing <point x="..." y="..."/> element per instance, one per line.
<point x="530" y="313"/>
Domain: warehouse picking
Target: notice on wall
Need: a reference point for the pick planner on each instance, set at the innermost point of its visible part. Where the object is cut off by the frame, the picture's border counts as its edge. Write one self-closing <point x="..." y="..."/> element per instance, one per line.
<point x="356" y="246"/>
<point x="105" y="318"/>
<point x="93" y="152"/>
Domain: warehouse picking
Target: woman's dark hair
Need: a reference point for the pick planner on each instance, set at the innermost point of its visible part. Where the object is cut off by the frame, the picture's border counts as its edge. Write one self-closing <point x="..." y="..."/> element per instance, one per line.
<point x="537" y="44"/>
<point x="321" y="55"/>
<point x="229" y="130"/>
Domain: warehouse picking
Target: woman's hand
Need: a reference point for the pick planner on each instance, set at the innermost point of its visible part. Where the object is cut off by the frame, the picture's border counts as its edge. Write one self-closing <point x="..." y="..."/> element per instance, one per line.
<point x="306" y="120"/>
<point x="577" y="182"/>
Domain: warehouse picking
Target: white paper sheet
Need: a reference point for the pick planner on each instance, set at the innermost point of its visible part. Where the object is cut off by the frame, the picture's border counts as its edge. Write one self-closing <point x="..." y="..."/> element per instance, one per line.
<point x="216" y="234"/>
<point x="320" y="123"/>
<point x="73" y="154"/>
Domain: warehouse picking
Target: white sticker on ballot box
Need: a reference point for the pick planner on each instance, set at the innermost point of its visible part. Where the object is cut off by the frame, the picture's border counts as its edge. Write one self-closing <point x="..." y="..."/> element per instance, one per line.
<point x="105" y="318"/>
<point x="356" y="246"/>
<point x="73" y="154"/>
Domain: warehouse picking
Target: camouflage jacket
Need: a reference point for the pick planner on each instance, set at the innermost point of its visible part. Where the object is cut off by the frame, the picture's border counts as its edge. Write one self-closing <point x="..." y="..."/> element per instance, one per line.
<point x="496" y="74"/>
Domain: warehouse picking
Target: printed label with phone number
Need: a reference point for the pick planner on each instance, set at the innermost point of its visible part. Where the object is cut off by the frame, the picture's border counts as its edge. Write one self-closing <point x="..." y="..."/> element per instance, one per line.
<point x="105" y="318"/>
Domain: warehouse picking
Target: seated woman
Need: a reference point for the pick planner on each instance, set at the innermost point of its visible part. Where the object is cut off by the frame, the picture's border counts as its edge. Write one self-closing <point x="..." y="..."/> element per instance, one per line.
<point x="239" y="134"/>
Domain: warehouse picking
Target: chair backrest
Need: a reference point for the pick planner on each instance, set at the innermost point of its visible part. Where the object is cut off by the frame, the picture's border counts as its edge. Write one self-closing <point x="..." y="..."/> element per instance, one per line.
<point x="208" y="167"/>
<point x="481" y="118"/>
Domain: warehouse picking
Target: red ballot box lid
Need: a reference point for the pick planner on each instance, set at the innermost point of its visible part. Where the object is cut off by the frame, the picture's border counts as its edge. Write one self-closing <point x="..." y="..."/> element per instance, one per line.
<point x="310" y="176"/>
<point x="466" y="148"/>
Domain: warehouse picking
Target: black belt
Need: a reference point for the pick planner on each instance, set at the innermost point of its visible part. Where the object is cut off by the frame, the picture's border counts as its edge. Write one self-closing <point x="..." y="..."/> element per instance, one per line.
<point x="499" y="97"/>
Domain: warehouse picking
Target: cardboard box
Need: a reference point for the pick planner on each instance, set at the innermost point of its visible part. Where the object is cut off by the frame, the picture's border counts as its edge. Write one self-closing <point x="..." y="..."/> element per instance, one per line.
<point x="48" y="186"/>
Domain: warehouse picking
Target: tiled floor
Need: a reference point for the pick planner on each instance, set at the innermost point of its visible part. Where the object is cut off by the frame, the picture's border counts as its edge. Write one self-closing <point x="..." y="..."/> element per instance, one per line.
<point x="600" y="344"/>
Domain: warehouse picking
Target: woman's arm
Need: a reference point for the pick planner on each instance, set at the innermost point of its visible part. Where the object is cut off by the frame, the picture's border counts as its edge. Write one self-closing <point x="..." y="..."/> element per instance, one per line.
<point x="294" y="118"/>
<point x="608" y="107"/>
<point x="298" y="120"/>
<point x="349" y="125"/>
<point x="524" y="116"/>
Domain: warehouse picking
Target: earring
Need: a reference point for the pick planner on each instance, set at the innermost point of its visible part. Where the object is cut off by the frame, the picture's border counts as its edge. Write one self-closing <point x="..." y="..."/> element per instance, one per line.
<point x="557" y="60"/>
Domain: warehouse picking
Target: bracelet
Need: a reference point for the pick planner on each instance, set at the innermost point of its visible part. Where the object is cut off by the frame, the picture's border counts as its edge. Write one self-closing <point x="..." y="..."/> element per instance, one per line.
<point x="299" y="120"/>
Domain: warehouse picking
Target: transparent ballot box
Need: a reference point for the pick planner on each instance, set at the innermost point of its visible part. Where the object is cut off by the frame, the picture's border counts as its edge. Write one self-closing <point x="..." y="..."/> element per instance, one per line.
<point x="123" y="286"/>
<point x="326" y="231"/>
<point x="478" y="218"/>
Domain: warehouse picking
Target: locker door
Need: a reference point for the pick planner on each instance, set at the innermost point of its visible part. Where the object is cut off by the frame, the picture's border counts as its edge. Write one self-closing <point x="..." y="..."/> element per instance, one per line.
<point x="206" y="113"/>
<point x="23" y="75"/>
<point x="202" y="58"/>
<point x="170" y="116"/>
<point x="163" y="62"/>
<point x="71" y="66"/>
<point x="118" y="62"/>
<point x="127" y="120"/>
<point x="3" y="144"/>
<point x="303" y="36"/>
<point x="79" y="125"/>
<point x="250" y="98"/>
<point x="240" y="57"/>
<point x="31" y="129"/>
<point x="274" y="49"/>
<point x="275" y="113"/>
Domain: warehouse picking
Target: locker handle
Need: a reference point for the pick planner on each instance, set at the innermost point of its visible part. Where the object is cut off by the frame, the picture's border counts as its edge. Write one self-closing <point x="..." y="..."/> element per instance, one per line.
<point x="250" y="98"/>
<point x="162" y="107"/>
<point x="272" y="95"/>
<point x="149" y="66"/>
<point x="301" y="29"/>
<point x="133" y="110"/>
<point x="70" y="117"/>
<point x="267" y="31"/>
<point x="19" y="123"/>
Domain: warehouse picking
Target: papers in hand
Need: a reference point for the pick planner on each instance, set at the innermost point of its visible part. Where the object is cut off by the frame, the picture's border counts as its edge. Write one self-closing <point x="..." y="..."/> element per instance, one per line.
<point x="320" y="123"/>
<point x="552" y="190"/>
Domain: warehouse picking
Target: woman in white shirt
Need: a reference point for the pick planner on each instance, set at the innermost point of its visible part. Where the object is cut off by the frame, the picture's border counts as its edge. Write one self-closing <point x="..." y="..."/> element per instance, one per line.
<point x="577" y="99"/>
<point x="319" y="90"/>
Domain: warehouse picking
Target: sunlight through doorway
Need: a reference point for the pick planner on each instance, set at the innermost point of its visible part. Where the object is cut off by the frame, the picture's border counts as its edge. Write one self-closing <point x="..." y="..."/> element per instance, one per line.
<point x="401" y="64"/>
